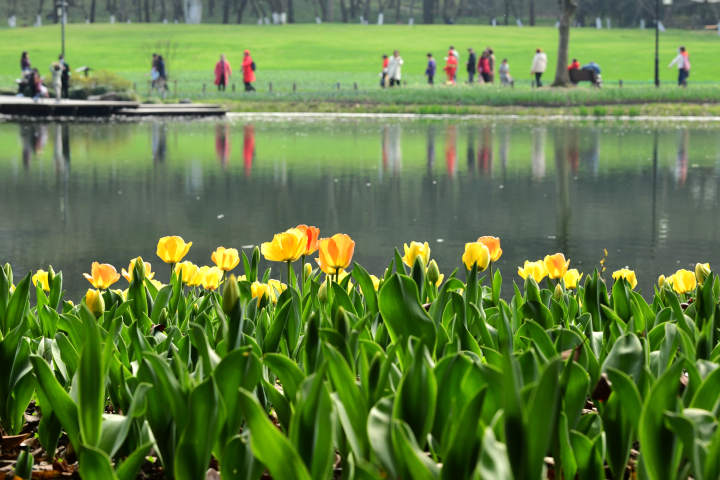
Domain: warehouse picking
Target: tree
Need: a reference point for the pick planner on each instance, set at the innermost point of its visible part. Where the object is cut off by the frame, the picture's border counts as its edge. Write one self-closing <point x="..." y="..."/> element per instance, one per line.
<point x="567" y="9"/>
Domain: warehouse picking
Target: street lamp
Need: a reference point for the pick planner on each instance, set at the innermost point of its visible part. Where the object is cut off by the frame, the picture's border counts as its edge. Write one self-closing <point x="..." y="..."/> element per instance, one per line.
<point x="61" y="6"/>
<point x="657" y="43"/>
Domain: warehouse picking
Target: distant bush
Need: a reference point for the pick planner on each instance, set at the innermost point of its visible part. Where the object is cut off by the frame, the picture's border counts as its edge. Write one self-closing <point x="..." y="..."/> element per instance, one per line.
<point x="101" y="83"/>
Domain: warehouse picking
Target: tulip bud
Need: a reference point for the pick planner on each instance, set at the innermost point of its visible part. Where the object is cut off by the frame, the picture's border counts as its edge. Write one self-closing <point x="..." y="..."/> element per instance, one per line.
<point x="162" y="319"/>
<point x="558" y="293"/>
<point x="308" y="270"/>
<point x="94" y="302"/>
<point x="8" y="273"/>
<point x="433" y="272"/>
<point x="702" y="271"/>
<point x="24" y="464"/>
<point x="661" y="281"/>
<point x="322" y="293"/>
<point x="231" y="294"/>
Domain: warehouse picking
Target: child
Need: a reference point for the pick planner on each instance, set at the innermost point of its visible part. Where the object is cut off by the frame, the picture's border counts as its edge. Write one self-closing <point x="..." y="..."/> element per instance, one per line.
<point x="384" y="71"/>
<point x="504" y="70"/>
<point x="56" y="70"/>
<point x="430" y="70"/>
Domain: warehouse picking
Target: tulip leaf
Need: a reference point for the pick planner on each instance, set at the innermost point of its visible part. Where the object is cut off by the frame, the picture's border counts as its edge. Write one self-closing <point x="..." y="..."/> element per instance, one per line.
<point x="95" y="464"/>
<point x="198" y="437"/>
<point x="402" y="313"/>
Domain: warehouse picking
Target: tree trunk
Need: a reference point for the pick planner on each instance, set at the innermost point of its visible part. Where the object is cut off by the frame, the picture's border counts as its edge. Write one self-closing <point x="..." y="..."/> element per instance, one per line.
<point x="147" y="11"/>
<point x="428" y="11"/>
<point x="163" y="10"/>
<point x="343" y="11"/>
<point x="92" y="11"/>
<point x="211" y="7"/>
<point x="506" y="17"/>
<point x="532" y="13"/>
<point x="226" y="11"/>
<point x="567" y="9"/>
<point x="290" y="11"/>
<point x="241" y="4"/>
<point x="397" y="11"/>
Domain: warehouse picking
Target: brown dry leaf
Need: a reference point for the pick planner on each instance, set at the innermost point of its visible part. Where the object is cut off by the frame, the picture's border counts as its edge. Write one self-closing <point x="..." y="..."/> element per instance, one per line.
<point x="12" y="442"/>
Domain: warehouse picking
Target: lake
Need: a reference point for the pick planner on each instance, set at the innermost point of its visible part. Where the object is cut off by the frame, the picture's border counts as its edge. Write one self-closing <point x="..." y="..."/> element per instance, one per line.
<point x="74" y="193"/>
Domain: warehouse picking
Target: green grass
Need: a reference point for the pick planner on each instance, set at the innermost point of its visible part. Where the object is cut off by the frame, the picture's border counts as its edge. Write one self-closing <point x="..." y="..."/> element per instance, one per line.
<point x="317" y="57"/>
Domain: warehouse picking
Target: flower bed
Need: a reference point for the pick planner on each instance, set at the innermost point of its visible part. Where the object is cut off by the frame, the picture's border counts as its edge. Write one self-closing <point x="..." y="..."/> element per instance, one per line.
<point x="333" y="372"/>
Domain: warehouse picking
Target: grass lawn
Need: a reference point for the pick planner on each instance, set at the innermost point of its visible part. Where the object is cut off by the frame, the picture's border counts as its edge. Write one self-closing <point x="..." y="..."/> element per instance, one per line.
<point x="317" y="57"/>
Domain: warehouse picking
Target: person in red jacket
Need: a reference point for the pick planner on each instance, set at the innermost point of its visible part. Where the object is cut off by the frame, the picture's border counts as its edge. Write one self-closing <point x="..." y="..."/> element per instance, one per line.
<point x="451" y="64"/>
<point x="248" y="67"/>
<point x="575" y="65"/>
<point x="222" y="73"/>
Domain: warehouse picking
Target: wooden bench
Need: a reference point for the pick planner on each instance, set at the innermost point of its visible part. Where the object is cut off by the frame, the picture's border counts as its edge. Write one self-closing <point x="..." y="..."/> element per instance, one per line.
<point x="578" y="75"/>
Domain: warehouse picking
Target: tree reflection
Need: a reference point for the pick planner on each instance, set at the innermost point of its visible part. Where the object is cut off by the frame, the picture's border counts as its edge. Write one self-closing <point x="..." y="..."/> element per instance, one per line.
<point x="159" y="142"/>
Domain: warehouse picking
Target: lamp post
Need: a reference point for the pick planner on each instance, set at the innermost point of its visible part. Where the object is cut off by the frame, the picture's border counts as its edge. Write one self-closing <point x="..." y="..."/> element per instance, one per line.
<point x="657" y="43"/>
<point x="60" y="6"/>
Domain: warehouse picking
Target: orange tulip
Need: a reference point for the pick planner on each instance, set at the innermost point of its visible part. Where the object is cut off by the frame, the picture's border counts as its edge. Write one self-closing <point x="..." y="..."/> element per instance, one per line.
<point x="556" y="265"/>
<point x="102" y="275"/>
<point x="312" y="234"/>
<point x="493" y="246"/>
<point x="335" y="253"/>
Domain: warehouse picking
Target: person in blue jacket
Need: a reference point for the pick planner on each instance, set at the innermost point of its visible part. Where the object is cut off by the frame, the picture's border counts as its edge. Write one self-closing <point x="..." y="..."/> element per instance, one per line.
<point x="430" y="70"/>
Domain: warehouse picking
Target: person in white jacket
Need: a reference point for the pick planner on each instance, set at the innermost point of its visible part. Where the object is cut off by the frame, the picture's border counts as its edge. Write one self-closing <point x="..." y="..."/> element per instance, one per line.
<point x="683" y="64"/>
<point x="539" y="64"/>
<point x="394" y="69"/>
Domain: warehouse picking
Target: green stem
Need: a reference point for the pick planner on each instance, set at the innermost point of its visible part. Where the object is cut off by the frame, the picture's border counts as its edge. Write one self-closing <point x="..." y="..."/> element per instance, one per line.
<point x="289" y="267"/>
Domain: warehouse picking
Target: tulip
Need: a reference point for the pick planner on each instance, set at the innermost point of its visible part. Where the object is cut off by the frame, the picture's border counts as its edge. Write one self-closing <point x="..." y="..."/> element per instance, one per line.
<point x="130" y="272"/>
<point x="210" y="277"/>
<point x="156" y="283"/>
<point x="341" y="277"/>
<point x="558" y="293"/>
<point x="197" y="278"/>
<point x="476" y="253"/>
<point x="493" y="246"/>
<point x="556" y="265"/>
<point x="535" y="270"/>
<point x="335" y="253"/>
<point x="42" y="277"/>
<point x="311" y="235"/>
<point x="172" y="249"/>
<point x="277" y="286"/>
<point x="94" y="302"/>
<point x="102" y="275"/>
<point x="375" y="281"/>
<point x="187" y="270"/>
<point x="684" y="281"/>
<point x="415" y="250"/>
<point x="702" y="271"/>
<point x="307" y="269"/>
<point x="661" y="281"/>
<point x="627" y="274"/>
<point x="225" y="258"/>
<point x="260" y="290"/>
<point x="231" y="294"/>
<point x="572" y="278"/>
<point x="287" y="246"/>
<point x="433" y="272"/>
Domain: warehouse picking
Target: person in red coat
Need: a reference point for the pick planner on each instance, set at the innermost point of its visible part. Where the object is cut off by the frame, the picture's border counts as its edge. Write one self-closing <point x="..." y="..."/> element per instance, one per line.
<point x="248" y="67"/>
<point x="222" y="73"/>
<point x="451" y="64"/>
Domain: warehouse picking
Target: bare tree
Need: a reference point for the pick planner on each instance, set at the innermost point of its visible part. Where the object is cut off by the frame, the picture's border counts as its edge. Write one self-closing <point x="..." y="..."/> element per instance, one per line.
<point x="567" y="9"/>
<point x="532" y="13"/>
<point x="240" y="4"/>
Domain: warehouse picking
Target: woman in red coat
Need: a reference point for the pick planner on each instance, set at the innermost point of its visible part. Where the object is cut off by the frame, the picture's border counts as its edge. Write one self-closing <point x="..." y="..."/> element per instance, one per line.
<point x="248" y="67"/>
<point x="451" y="64"/>
<point x="222" y="73"/>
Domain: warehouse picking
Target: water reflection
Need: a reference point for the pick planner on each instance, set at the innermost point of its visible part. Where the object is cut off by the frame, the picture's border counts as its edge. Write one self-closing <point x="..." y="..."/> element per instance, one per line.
<point x="650" y="197"/>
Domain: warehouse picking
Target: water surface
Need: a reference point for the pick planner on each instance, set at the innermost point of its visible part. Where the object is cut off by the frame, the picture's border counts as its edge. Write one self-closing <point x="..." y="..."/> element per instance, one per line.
<point x="74" y="193"/>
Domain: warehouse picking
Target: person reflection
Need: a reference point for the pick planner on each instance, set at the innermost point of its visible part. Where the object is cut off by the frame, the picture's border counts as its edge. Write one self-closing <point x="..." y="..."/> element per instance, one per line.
<point x="471" y="149"/>
<point x="681" y="163"/>
<point x="573" y="149"/>
<point x="394" y="148"/>
<point x="61" y="148"/>
<point x="539" y="135"/>
<point x="451" y="150"/>
<point x="485" y="151"/>
<point x="504" y="149"/>
<point x="222" y="143"/>
<point x="33" y="138"/>
<point x="248" y="148"/>
<point x="159" y="142"/>
<point x="430" y="149"/>
<point x="590" y="154"/>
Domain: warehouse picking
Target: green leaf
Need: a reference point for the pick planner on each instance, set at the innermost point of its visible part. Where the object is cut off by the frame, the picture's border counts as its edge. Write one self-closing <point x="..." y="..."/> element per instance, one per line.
<point x="56" y="396"/>
<point x="18" y="304"/>
<point x="91" y="384"/>
<point x="620" y="419"/>
<point x="287" y="371"/>
<point x="464" y="442"/>
<point x="128" y="469"/>
<point x="402" y="313"/>
<point x="270" y="446"/>
<point x="95" y="464"/>
<point x="238" y="461"/>
<point x="418" y="383"/>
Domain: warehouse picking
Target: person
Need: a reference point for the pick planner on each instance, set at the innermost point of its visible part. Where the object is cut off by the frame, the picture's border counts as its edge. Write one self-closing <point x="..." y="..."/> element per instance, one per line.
<point x="395" y="69"/>
<point x="575" y="65"/>
<point x="384" y="71"/>
<point x="472" y="58"/>
<point x="56" y="71"/>
<point x="451" y="64"/>
<point x="491" y="62"/>
<point x="504" y="70"/>
<point x="593" y="67"/>
<point x="430" y="70"/>
<point x="248" y="68"/>
<point x="64" y="77"/>
<point x="38" y="89"/>
<point x="222" y="73"/>
<point x="25" y="66"/>
<point x="484" y="66"/>
<point x="539" y="64"/>
<point x="162" y="75"/>
<point x="153" y="71"/>
<point x="455" y="54"/>
<point x="683" y="64"/>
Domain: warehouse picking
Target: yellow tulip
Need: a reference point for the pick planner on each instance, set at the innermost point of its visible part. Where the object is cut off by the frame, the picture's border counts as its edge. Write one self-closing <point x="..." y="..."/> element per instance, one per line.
<point x="128" y="274"/>
<point x="172" y="249"/>
<point x="476" y="253"/>
<point x="415" y="250"/>
<point x="493" y="246"/>
<point x="260" y="290"/>
<point x="535" y="270"/>
<point x="661" y="281"/>
<point x="556" y="265"/>
<point x="287" y="246"/>
<point x="572" y="278"/>
<point x="226" y="258"/>
<point x="684" y="281"/>
<point x="277" y="286"/>
<point x="627" y="274"/>
<point x="335" y="253"/>
<point x="210" y="277"/>
<point x="702" y="271"/>
<point x="187" y="269"/>
<point x="102" y="275"/>
<point x="341" y="278"/>
<point x="375" y="282"/>
<point x="308" y="270"/>
<point x="42" y="277"/>
<point x="156" y="283"/>
<point x="311" y="235"/>
<point x="94" y="302"/>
